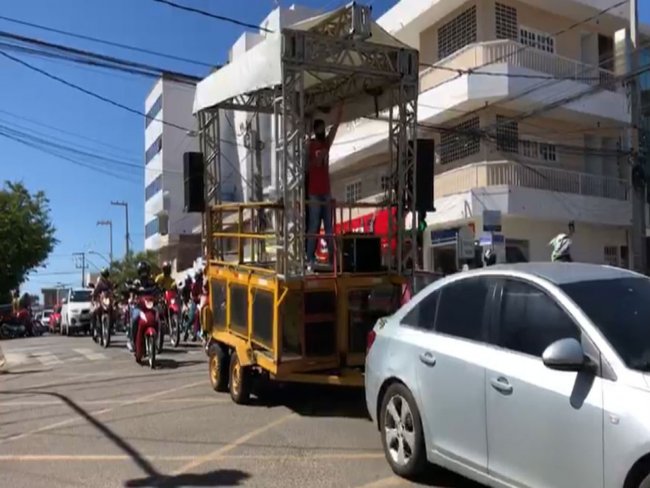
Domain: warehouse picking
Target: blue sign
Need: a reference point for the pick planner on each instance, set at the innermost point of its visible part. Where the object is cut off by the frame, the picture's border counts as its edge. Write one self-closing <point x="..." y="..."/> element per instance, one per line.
<point x="491" y="239"/>
<point x="445" y="236"/>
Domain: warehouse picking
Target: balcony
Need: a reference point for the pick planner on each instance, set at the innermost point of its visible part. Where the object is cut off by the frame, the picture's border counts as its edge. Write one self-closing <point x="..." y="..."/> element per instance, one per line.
<point x="513" y="54"/>
<point x="509" y="173"/>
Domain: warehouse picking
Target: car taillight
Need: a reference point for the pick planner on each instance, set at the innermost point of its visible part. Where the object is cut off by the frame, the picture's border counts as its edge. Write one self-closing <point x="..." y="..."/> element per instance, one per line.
<point x="370" y="339"/>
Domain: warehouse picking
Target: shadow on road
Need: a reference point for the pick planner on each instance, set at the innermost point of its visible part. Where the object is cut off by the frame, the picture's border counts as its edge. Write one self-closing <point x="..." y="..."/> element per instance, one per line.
<point x="220" y="477"/>
<point x="165" y="363"/>
<point x="441" y="478"/>
<point x="315" y="400"/>
<point x="153" y="477"/>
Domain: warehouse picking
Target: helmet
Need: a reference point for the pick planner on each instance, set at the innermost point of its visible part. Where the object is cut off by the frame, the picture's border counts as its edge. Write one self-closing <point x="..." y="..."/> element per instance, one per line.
<point x="105" y="273"/>
<point x="489" y="257"/>
<point x="167" y="268"/>
<point x="143" y="268"/>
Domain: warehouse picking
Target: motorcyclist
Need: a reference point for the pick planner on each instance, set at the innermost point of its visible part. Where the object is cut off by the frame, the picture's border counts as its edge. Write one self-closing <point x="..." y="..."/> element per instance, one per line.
<point x="164" y="280"/>
<point x="561" y="245"/>
<point x="195" y="291"/>
<point x="489" y="257"/>
<point x="103" y="284"/>
<point x="144" y="282"/>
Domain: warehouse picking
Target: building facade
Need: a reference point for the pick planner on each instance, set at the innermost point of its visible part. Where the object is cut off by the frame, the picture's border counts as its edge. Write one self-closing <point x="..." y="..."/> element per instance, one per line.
<point x="527" y="120"/>
<point x="170" y="131"/>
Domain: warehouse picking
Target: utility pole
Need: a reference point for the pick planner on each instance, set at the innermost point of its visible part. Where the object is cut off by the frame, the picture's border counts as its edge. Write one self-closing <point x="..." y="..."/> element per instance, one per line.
<point x="126" y="210"/>
<point x="109" y="223"/>
<point x="82" y="255"/>
<point x="638" y="234"/>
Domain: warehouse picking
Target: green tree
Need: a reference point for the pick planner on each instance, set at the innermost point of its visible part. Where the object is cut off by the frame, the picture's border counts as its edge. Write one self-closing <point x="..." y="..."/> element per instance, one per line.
<point x="126" y="268"/>
<point x="26" y="234"/>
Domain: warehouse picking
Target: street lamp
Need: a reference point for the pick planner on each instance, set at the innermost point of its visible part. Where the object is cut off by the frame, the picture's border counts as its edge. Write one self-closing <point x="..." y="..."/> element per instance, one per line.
<point x="126" y="209"/>
<point x="108" y="223"/>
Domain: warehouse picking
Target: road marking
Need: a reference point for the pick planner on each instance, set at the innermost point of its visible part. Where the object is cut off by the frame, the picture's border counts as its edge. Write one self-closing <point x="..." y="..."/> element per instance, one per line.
<point x="124" y="457"/>
<point x="91" y="354"/>
<point x="46" y="358"/>
<point x="36" y="403"/>
<point x="71" y="420"/>
<point x="213" y="456"/>
<point x="15" y="358"/>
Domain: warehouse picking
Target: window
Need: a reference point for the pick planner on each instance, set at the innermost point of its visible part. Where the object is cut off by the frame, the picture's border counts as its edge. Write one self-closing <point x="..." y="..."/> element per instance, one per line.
<point x="154" y="149"/>
<point x="543" y="151"/>
<point x="423" y="315"/>
<point x="461" y="308"/>
<point x="153" y="111"/>
<point x="151" y="228"/>
<point x="530" y="320"/>
<point x="152" y="188"/>
<point x="610" y="255"/>
<point x="506" y="22"/>
<point x="459" y="142"/>
<point x="622" y="318"/>
<point x="353" y="192"/>
<point x="80" y="296"/>
<point x="537" y="40"/>
<point x="457" y="33"/>
<point x="507" y="135"/>
<point x="386" y="183"/>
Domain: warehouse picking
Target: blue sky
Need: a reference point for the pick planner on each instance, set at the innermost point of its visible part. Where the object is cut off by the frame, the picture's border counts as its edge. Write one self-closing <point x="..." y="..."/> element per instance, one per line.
<point x="80" y="196"/>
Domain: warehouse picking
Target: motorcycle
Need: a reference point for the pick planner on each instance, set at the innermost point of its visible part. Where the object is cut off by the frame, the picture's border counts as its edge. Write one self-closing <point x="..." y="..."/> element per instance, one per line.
<point x="172" y="313"/>
<point x="12" y="330"/>
<point x="105" y="315"/>
<point x="147" y="330"/>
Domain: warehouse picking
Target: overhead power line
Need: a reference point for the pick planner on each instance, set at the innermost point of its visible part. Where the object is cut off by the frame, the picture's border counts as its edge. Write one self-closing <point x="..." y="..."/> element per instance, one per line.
<point x="212" y="16"/>
<point x="96" y="59"/>
<point x="108" y="43"/>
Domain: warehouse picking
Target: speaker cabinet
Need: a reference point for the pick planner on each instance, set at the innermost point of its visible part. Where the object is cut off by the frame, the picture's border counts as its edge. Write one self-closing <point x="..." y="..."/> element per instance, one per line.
<point x="361" y="255"/>
<point x="193" y="175"/>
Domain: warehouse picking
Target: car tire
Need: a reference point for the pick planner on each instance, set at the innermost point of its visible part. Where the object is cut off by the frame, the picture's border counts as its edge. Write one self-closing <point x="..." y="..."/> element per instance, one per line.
<point x="240" y="381"/>
<point x="639" y="477"/>
<point x="219" y="369"/>
<point x="401" y="431"/>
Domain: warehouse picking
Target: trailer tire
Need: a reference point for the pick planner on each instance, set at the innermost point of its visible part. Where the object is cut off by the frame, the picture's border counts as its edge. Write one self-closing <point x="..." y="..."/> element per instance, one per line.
<point x="240" y="381"/>
<point x="219" y="363"/>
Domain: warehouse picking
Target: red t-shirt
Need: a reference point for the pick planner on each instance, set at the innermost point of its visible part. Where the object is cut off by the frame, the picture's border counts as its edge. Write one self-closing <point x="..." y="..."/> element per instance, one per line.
<point x="319" y="170"/>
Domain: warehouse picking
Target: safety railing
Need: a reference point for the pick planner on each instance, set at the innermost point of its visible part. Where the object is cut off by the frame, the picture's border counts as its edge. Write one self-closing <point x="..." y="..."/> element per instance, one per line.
<point x="244" y="235"/>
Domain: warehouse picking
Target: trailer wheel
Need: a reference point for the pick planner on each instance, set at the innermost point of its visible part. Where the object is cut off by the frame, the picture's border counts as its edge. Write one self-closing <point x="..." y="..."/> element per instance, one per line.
<point x="218" y="365"/>
<point x="240" y="381"/>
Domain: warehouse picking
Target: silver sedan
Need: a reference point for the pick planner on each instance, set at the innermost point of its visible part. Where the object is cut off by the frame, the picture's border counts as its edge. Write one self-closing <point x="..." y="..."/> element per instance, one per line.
<point x="527" y="375"/>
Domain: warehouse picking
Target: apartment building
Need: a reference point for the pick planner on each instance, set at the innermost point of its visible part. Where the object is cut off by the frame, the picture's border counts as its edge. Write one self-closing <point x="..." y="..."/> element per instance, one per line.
<point x="170" y="131"/>
<point x="498" y="149"/>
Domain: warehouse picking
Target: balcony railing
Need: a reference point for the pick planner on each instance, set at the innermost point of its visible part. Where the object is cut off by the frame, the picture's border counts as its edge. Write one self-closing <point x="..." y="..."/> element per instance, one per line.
<point x="529" y="176"/>
<point x="515" y="54"/>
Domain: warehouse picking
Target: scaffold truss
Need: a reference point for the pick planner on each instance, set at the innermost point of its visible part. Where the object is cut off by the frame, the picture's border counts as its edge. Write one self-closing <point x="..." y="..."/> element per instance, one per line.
<point x="339" y="57"/>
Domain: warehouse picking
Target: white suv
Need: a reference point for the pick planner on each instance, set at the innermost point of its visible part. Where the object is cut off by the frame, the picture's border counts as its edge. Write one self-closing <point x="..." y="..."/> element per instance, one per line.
<point x="75" y="314"/>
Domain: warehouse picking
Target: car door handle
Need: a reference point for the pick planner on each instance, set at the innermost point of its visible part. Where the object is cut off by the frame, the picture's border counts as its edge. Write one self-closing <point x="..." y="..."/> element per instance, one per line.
<point x="502" y="385"/>
<point x="428" y="359"/>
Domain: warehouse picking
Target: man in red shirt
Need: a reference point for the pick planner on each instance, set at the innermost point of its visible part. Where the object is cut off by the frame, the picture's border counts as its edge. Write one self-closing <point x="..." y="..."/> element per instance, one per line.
<point x="318" y="185"/>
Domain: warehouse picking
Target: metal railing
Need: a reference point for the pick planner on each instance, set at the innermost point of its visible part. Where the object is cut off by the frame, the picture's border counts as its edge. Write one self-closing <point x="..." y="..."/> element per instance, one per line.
<point x="530" y="176"/>
<point x="515" y="54"/>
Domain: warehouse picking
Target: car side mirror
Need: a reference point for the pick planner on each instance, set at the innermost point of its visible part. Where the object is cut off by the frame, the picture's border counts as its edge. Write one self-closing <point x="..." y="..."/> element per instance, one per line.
<point x="565" y="355"/>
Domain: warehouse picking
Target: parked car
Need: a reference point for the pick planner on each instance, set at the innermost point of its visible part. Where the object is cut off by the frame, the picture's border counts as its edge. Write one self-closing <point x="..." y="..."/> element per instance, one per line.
<point x="524" y="375"/>
<point x="75" y="313"/>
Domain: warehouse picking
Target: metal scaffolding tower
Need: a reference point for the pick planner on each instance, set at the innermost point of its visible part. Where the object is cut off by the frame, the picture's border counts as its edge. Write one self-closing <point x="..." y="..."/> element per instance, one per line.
<point x="339" y="52"/>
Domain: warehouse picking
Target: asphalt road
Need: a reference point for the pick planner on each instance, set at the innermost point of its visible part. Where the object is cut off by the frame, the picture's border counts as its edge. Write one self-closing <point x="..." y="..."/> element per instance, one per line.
<point x="73" y="414"/>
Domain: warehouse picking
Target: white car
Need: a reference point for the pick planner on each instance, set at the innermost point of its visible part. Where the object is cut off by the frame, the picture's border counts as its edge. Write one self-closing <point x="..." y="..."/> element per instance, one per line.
<point x="527" y="375"/>
<point x="75" y="313"/>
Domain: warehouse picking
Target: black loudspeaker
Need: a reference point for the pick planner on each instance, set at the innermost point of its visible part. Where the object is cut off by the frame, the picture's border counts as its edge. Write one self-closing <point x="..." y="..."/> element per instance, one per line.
<point x="424" y="177"/>
<point x="361" y="255"/>
<point x="193" y="174"/>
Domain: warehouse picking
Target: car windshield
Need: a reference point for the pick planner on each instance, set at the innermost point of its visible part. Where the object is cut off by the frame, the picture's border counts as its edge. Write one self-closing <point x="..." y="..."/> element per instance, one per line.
<point x="620" y="308"/>
<point x="80" y="296"/>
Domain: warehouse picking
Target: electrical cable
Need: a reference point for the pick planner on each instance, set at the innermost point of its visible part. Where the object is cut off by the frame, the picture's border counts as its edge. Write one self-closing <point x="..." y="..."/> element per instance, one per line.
<point x="109" y="43"/>
<point x="212" y="16"/>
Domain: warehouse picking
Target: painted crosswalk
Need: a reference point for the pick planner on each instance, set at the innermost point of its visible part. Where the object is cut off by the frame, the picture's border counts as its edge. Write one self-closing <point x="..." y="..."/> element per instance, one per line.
<point x="24" y="356"/>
